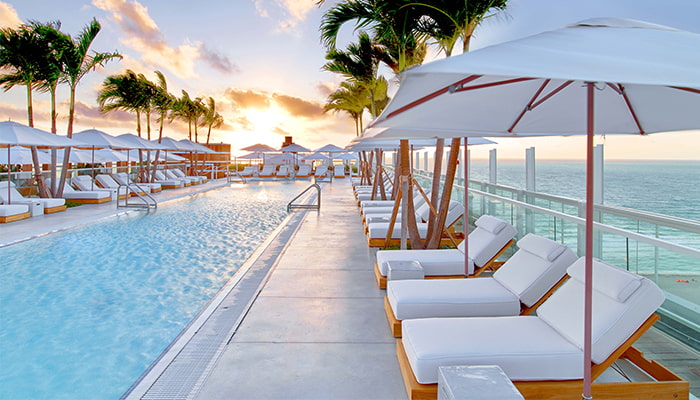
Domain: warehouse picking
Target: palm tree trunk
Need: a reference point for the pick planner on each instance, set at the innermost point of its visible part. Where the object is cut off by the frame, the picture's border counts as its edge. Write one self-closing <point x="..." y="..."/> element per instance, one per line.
<point x="411" y="226"/>
<point x="69" y="133"/>
<point x="54" y="157"/>
<point x="209" y="133"/>
<point x="433" y="242"/>
<point x="30" y="108"/>
<point x="435" y="188"/>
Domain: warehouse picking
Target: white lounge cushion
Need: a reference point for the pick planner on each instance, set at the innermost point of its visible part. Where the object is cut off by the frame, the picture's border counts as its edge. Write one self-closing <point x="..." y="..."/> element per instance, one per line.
<point x="532" y="271"/>
<point x="473" y="297"/>
<point x="434" y="262"/>
<point x="8" y="210"/>
<point x="614" y="321"/>
<point x="526" y="348"/>
<point x="484" y="243"/>
<point x="16" y="197"/>
<point x="378" y="230"/>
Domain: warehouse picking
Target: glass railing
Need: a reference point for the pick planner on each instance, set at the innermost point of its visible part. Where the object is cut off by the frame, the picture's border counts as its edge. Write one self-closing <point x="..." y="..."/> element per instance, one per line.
<point x="665" y="249"/>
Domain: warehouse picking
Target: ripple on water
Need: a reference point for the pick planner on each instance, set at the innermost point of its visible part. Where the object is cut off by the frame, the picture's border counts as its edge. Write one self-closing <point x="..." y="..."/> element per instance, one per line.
<point x="85" y="311"/>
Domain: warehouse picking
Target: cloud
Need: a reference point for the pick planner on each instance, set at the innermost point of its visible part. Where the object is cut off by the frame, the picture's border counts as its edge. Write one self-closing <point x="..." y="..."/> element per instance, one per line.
<point x="289" y="13"/>
<point x="326" y="88"/>
<point x="144" y="36"/>
<point x="298" y="107"/>
<point x="278" y="130"/>
<point x="248" y="98"/>
<point x="8" y="16"/>
<point x="217" y="60"/>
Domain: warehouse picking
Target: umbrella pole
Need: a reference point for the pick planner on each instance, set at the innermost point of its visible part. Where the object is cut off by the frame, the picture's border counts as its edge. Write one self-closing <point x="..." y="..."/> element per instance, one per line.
<point x="466" y="207"/>
<point x="588" y="288"/>
<point x="9" y="176"/>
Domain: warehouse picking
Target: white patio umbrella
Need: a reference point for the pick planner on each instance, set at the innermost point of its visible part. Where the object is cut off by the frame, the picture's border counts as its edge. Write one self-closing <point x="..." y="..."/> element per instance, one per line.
<point x="261" y="148"/>
<point x="109" y="155"/>
<point x="294" y="148"/>
<point x="22" y="155"/>
<point x="330" y="148"/>
<point x="317" y="156"/>
<point x="13" y="133"/>
<point x="607" y="76"/>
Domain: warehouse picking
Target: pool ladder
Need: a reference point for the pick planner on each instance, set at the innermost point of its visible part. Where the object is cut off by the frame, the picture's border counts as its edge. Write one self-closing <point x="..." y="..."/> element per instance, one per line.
<point x="234" y="176"/>
<point x="317" y="206"/>
<point x="146" y="202"/>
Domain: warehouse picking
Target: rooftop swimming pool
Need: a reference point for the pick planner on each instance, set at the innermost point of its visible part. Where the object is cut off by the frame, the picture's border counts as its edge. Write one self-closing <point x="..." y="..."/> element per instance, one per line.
<point x="86" y="310"/>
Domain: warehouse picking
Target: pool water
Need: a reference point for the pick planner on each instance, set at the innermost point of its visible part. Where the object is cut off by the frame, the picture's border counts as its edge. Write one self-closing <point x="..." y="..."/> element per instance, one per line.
<point x="85" y="311"/>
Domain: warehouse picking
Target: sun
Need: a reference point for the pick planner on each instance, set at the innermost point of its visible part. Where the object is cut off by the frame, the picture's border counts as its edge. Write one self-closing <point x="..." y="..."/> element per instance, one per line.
<point x="265" y="122"/>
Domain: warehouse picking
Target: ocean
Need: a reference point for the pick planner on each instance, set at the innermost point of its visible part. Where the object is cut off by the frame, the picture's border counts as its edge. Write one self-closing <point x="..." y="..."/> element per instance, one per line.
<point x="661" y="187"/>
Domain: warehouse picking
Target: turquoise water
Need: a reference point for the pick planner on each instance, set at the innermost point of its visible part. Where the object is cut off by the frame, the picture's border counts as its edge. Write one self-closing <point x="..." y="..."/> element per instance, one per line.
<point x="662" y="187"/>
<point x="85" y="311"/>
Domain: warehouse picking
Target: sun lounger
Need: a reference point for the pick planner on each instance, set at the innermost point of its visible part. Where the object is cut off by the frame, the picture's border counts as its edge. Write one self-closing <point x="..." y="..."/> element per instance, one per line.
<point x="188" y="180"/>
<point x="106" y="181"/>
<point x="123" y="179"/>
<point x="304" y="171"/>
<point x="487" y="242"/>
<point x="166" y="183"/>
<point x="516" y="288"/>
<point x="321" y="171"/>
<point x="86" y="183"/>
<point x="422" y="212"/>
<point x="339" y="171"/>
<point x="377" y="231"/>
<point x="178" y="172"/>
<point x="283" y="172"/>
<point x="267" y="171"/>
<point x="51" y="205"/>
<point x="13" y="212"/>
<point x="83" y="197"/>
<point x="543" y="354"/>
<point x="248" y="171"/>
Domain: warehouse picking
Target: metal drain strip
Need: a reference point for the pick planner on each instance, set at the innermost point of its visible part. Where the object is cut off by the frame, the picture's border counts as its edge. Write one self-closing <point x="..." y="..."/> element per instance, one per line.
<point x="180" y="371"/>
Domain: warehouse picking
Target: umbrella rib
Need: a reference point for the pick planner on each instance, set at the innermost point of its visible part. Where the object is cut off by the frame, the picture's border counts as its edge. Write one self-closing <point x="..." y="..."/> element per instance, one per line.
<point x="529" y="105"/>
<point x="621" y="91"/>
<point x="487" y="85"/>
<point x="433" y="95"/>
<point x="552" y="93"/>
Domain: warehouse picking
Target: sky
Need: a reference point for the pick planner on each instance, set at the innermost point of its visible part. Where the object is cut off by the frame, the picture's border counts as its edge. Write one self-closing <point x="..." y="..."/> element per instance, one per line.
<point x="261" y="60"/>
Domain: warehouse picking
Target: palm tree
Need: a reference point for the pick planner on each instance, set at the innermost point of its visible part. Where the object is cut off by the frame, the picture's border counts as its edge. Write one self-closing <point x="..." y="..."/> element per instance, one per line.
<point x="393" y="22"/>
<point x="450" y="21"/>
<point x="351" y="98"/>
<point x="162" y="102"/>
<point x="23" y="59"/>
<point x="182" y="109"/>
<point x="77" y="63"/>
<point x="360" y="63"/>
<point x="199" y="111"/>
<point x="123" y="92"/>
<point x="212" y="118"/>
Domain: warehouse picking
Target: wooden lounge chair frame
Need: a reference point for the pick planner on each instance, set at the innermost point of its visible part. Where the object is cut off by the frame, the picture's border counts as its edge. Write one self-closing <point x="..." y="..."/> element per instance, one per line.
<point x="490" y="265"/>
<point x="92" y="201"/>
<point x="395" y="324"/>
<point x="667" y="385"/>
<point x="51" y="210"/>
<point x="16" y="217"/>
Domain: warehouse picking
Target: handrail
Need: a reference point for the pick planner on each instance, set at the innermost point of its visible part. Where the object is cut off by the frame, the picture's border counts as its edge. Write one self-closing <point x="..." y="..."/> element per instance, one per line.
<point x="291" y="205"/>
<point x="230" y="174"/>
<point x="148" y="201"/>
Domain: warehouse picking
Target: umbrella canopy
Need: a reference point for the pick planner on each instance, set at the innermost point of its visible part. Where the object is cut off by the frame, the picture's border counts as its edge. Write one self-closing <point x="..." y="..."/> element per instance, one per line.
<point x="345" y="156"/>
<point x="262" y="148"/>
<point x="21" y="155"/>
<point x="15" y="133"/>
<point x="294" y="148"/>
<point x="109" y="155"/>
<point x="317" y="156"/>
<point x="251" y="156"/>
<point x="330" y="148"/>
<point x="193" y="146"/>
<point x="99" y="139"/>
<point x="132" y="141"/>
<point x="173" y="144"/>
<point x="647" y="81"/>
<point x="603" y="75"/>
<point x="280" y="159"/>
